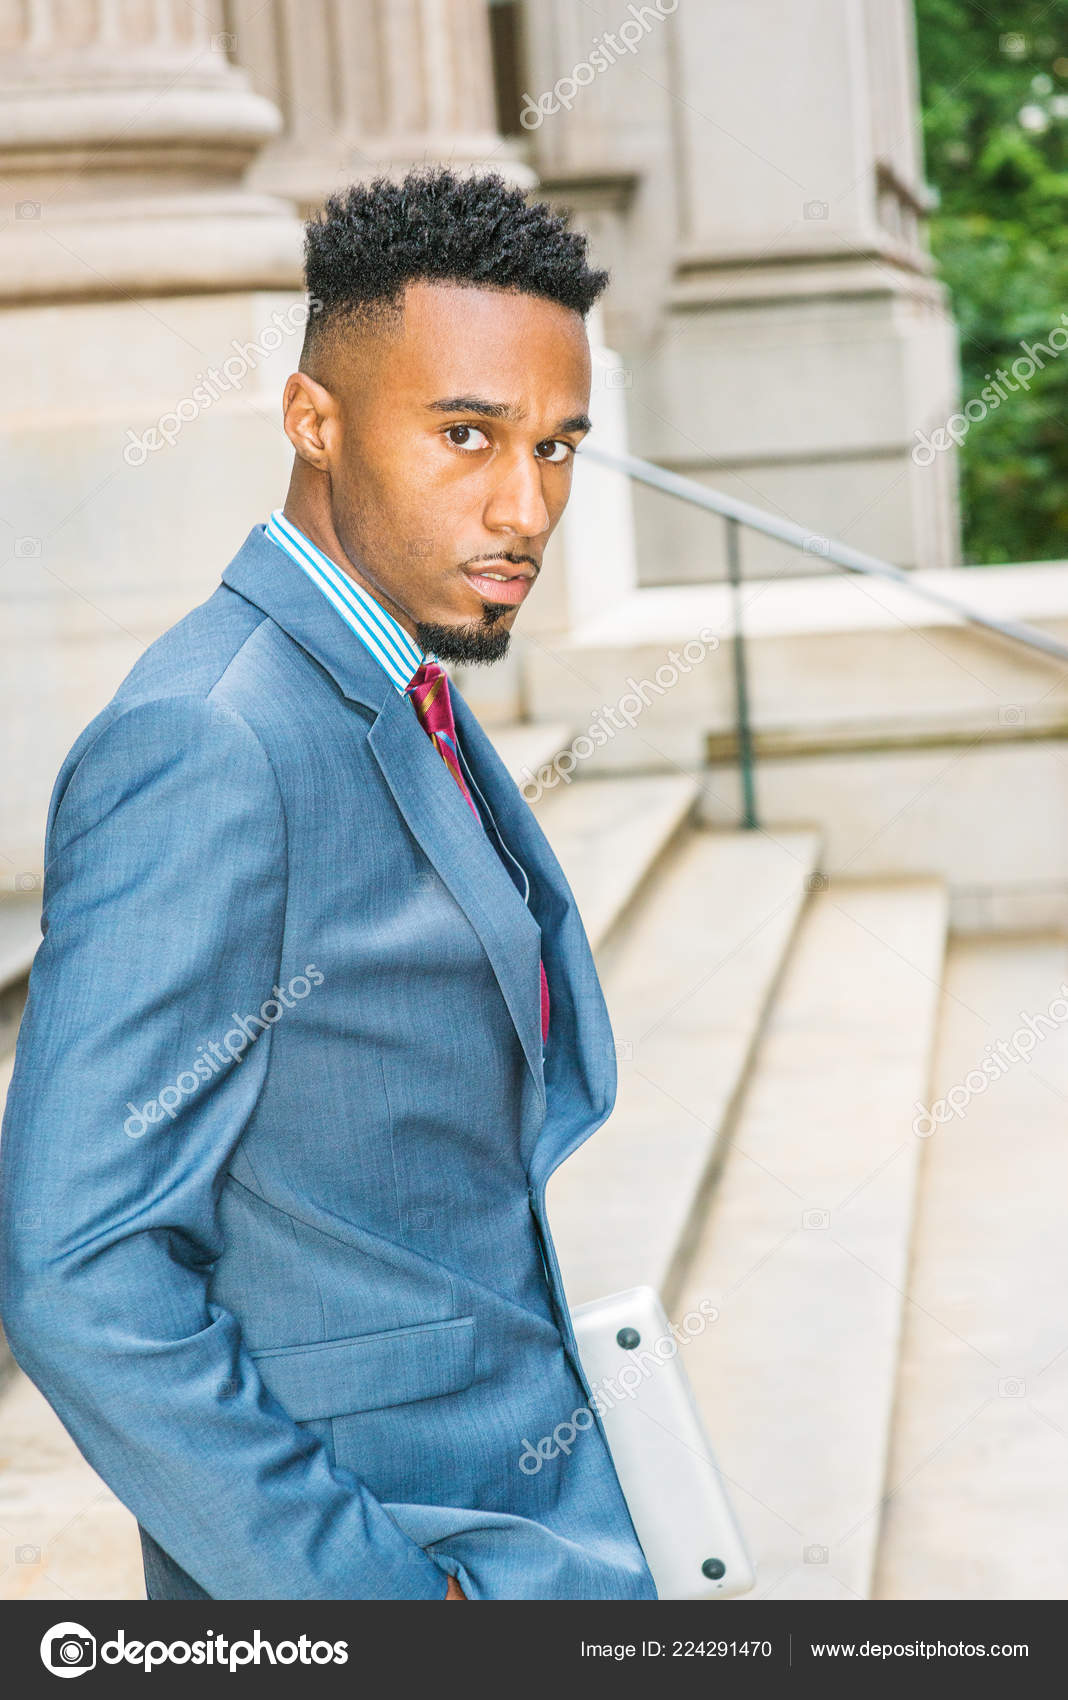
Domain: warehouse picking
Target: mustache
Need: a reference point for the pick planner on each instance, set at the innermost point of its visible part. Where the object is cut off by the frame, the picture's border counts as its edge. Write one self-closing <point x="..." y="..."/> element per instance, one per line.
<point x="503" y="555"/>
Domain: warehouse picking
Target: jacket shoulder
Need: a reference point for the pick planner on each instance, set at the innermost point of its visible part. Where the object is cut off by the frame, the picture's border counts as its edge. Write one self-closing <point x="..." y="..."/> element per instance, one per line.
<point x="140" y="741"/>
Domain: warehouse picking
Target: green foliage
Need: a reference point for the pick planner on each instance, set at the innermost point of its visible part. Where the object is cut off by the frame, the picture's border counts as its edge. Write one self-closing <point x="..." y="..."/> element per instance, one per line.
<point x="1000" y="236"/>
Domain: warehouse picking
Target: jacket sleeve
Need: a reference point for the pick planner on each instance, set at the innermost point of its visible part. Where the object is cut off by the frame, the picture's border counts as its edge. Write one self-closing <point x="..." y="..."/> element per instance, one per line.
<point x="164" y="911"/>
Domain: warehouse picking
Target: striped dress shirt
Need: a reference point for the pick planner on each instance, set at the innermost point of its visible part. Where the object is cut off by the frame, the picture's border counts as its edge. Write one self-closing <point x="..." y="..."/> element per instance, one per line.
<point x="374" y="625"/>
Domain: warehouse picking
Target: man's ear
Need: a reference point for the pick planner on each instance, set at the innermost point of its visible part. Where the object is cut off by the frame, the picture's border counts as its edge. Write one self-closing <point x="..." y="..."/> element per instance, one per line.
<point x="310" y="417"/>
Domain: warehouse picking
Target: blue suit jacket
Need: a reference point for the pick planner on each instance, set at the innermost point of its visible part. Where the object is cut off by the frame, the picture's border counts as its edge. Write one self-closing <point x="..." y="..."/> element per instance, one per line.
<point x="274" y="1160"/>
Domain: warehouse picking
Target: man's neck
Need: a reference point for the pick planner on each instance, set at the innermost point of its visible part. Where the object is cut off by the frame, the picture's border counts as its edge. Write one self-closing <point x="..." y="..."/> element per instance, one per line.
<point x="318" y="528"/>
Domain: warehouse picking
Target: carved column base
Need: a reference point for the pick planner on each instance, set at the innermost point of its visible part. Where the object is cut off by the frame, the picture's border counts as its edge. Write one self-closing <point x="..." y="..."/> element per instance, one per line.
<point x="123" y="166"/>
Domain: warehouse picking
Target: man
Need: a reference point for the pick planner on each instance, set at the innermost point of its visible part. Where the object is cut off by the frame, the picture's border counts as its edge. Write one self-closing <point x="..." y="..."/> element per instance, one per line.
<point x="314" y="1016"/>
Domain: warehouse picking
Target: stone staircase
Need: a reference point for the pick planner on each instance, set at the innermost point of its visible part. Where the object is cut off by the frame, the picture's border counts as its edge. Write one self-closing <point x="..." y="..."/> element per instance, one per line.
<point x="19" y="937"/>
<point x="805" y="1249"/>
<point x="688" y="982"/>
<point x="775" y="1032"/>
<point x="977" y="1481"/>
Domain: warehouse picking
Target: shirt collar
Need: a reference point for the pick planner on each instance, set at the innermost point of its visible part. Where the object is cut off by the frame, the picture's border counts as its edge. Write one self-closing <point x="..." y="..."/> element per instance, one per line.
<point x="397" y="653"/>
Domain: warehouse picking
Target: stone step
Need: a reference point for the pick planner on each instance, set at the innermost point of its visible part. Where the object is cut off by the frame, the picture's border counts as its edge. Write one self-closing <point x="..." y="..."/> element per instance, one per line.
<point x="900" y="780"/>
<point x="687" y="982"/>
<point x="63" y="1534"/>
<point x="20" y="934"/>
<point x="528" y="745"/>
<point x="805" y="1249"/>
<point x="978" y="1472"/>
<point x="825" y="659"/>
<point x="608" y="835"/>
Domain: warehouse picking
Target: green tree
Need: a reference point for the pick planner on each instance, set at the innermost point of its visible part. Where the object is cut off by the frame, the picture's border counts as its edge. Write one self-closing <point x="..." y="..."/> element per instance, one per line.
<point x="995" y="117"/>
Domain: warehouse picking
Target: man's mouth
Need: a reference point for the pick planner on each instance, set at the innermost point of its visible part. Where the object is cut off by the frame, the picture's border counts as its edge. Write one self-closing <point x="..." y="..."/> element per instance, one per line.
<point x="497" y="584"/>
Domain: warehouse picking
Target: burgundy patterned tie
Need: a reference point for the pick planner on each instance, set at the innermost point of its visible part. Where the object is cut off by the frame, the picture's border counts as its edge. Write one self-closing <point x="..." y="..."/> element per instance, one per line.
<point x="429" y="691"/>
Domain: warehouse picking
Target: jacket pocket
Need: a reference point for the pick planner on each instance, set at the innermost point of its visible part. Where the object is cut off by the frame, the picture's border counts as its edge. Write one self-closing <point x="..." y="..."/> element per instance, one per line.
<point x="364" y="1372"/>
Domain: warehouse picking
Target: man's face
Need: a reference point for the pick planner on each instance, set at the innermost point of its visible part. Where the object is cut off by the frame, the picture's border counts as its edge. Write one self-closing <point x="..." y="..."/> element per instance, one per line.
<point x="449" y="457"/>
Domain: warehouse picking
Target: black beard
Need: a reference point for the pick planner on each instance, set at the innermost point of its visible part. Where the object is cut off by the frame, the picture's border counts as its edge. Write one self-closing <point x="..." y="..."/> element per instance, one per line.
<point x="471" y="645"/>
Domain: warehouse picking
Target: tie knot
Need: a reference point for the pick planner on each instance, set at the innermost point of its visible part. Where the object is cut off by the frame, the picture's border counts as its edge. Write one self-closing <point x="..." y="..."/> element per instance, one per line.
<point x="429" y="691"/>
<point x="425" y="674"/>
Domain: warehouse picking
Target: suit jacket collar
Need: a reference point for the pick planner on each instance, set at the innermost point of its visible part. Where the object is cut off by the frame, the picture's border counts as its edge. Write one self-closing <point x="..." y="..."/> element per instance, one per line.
<point x="265" y="576"/>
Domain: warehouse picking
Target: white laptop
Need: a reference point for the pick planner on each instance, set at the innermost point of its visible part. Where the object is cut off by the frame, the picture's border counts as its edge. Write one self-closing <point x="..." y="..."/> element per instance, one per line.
<point x="674" y="1492"/>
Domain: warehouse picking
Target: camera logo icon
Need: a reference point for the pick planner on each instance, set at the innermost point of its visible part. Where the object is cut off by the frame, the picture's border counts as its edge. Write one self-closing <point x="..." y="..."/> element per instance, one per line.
<point x="1012" y="1388"/>
<point x="68" y="1649"/>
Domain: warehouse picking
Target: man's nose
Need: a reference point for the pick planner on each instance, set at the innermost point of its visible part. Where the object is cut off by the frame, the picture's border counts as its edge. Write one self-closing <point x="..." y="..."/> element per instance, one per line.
<point x="517" y="503"/>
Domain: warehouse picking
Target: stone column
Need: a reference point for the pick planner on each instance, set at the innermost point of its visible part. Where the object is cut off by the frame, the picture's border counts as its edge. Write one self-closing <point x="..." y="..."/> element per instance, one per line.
<point x="597" y="116"/>
<point x="149" y="312"/>
<point x="807" y="339"/>
<point x="125" y="136"/>
<point x="370" y="86"/>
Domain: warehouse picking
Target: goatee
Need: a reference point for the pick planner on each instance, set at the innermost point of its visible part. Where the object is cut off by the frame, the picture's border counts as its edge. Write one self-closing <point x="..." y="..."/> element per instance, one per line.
<point x="474" y="645"/>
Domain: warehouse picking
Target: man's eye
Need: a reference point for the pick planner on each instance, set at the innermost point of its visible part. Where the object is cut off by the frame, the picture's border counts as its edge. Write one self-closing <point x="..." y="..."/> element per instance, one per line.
<point x="467" y="437"/>
<point x="557" y="449"/>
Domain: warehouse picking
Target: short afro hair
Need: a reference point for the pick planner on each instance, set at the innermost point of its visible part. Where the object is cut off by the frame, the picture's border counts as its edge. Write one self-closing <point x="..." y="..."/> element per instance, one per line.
<point x="371" y="240"/>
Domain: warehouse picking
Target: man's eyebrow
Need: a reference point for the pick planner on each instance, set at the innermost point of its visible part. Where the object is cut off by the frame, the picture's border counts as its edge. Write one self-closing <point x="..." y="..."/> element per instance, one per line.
<point x="577" y="422"/>
<point x="501" y="410"/>
<point x="476" y="404"/>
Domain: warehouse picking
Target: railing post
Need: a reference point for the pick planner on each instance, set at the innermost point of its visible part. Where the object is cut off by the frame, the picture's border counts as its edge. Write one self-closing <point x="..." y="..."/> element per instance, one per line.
<point x="741" y="686"/>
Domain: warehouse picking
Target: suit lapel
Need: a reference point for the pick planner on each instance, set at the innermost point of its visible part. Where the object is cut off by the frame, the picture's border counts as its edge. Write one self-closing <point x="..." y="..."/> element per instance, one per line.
<point x="434" y="807"/>
<point x="580" y="1061"/>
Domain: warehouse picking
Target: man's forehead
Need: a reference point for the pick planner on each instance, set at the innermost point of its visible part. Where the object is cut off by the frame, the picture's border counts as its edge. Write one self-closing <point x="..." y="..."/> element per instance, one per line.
<point x="465" y="332"/>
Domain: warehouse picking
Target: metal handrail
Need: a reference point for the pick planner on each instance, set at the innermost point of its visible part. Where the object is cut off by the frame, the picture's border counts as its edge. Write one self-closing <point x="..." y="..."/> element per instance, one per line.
<point x="839" y="554"/>
<point x="736" y="514"/>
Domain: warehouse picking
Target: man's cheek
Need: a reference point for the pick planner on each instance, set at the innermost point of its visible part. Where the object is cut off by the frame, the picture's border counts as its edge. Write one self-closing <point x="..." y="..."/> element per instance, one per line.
<point x="556" y="506"/>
